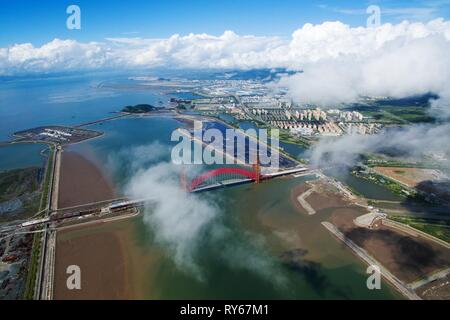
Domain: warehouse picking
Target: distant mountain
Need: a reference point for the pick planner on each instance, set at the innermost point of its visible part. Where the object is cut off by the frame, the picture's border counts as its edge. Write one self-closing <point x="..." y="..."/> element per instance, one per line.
<point x="254" y="74"/>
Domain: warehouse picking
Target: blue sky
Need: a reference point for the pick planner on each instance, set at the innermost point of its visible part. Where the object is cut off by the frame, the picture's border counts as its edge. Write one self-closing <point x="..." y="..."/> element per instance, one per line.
<point x="41" y="21"/>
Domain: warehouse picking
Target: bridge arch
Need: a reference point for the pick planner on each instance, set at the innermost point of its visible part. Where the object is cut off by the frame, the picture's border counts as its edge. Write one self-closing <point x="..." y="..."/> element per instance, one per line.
<point x="197" y="181"/>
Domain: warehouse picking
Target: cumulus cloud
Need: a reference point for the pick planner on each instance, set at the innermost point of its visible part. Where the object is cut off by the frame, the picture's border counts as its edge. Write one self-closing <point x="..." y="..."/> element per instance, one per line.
<point x="311" y="43"/>
<point x="411" y="141"/>
<point x="55" y="56"/>
<point x="340" y="63"/>
<point x="179" y="221"/>
<point x="131" y="159"/>
<point x="187" y="224"/>
<point x="400" y="68"/>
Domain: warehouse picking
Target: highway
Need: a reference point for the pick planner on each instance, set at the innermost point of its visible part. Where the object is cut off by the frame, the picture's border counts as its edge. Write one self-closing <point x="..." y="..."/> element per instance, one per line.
<point x="54" y="218"/>
<point x="114" y="206"/>
<point x="41" y="284"/>
<point x="235" y="182"/>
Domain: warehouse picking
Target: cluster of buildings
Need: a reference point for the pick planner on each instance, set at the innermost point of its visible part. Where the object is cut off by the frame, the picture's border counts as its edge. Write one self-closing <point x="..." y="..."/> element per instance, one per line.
<point x="307" y="115"/>
<point x="56" y="134"/>
<point x="252" y="100"/>
<point x="360" y="128"/>
<point x="350" y="116"/>
<point x="307" y="122"/>
<point x="347" y="116"/>
<point x="233" y="87"/>
<point x="289" y="114"/>
<point x="309" y="129"/>
<point x="266" y="102"/>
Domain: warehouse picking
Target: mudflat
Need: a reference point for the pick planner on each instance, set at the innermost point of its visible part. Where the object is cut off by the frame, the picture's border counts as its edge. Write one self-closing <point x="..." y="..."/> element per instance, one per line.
<point x="81" y="182"/>
<point x="410" y="176"/>
<point x="102" y="259"/>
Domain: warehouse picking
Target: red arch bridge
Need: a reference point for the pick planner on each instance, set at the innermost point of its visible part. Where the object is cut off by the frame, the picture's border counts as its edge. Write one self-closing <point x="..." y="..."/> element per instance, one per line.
<point x="229" y="176"/>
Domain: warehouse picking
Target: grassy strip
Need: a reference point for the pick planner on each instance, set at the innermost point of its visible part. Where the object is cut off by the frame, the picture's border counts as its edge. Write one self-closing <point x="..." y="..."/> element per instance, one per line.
<point x="36" y="248"/>
<point x="436" y="228"/>
<point x="371" y="160"/>
<point x="48" y="176"/>
<point x="32" y="268"/>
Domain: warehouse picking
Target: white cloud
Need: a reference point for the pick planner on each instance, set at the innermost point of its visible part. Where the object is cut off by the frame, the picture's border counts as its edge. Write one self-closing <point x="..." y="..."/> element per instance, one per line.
<point x="398" y="70"/>
<point x="340" y="62"/>
<point x="187" y="225"/>
<point x="57" y="55"/>
<point x="412" y="141"/>
<point x="311" y="43"/>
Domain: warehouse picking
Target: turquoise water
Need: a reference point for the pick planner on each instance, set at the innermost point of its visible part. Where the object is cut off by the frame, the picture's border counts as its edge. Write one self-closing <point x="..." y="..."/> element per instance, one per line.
<point x="367" y="188"/>
<point x="58" y="101"/>
<point x="294" y="150"/>
<point x="63" y="101"/>
<point x="21" y="156"/>
<point x="114" y="151"/>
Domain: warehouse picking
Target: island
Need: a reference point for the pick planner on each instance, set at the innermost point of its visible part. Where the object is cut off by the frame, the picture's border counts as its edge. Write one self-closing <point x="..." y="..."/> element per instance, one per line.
<point x="139" y="108"/>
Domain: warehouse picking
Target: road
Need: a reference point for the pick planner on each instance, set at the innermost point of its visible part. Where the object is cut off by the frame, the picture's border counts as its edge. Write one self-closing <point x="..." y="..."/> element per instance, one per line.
<point x="44" y="279"/>
<point x="302" y="199"/>
<point x="435" y="276"/>
<point x="52" y="214"/>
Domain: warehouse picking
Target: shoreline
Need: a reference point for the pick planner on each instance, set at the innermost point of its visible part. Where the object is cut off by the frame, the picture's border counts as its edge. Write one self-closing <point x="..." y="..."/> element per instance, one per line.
<point x="403" y="258"/>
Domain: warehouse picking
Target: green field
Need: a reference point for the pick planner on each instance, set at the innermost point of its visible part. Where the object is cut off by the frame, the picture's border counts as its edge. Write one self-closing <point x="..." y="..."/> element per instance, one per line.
<point x="437" y="228"/>
<point x="286" y="137"/>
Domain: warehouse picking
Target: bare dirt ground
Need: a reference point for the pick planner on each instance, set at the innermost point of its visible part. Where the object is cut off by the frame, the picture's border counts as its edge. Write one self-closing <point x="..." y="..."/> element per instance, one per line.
<point x="409" y="176"/>
<point x="81" y="182"/>
<point x="323" y="197"/>
<point x="102" y="260"/>
<point x="407" y="257"/>
<point x="436" y="290"/>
